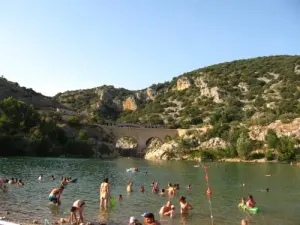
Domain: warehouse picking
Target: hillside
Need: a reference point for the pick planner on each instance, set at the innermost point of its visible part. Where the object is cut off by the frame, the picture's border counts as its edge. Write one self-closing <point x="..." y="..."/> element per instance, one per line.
<point x="27" y="95"/>
<point x="259" y="90"/>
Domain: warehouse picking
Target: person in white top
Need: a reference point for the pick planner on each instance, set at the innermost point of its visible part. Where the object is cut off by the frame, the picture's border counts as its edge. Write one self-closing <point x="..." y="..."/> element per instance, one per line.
<point x="77" y="207"/>
<point x="41" y="177"/>
<point x="104" y="194"/>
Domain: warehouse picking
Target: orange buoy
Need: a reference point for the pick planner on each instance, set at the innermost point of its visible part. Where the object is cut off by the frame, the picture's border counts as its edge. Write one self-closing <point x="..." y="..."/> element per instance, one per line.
<point x="208" y="192"/>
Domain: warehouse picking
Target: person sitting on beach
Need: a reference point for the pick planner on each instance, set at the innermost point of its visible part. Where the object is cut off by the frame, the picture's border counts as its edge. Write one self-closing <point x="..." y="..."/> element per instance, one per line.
<point x="170" y="213"/>
<point x="55" y="195"/>
<point x="20" y="182"/>
<point x="149" y="219"/>
<point x="251" y="202"/>
<point x="41" y="177"/>
<point x="129" y="187"/>
<point x="162" y="192"/>
<point x="134" y="221"/>
<point x="242" y="203"/>
<point x="12" y="181"/>
<point x="2" y="185"/>
<point x="142" y="189"/>
<point x="184" y="205"/>
<point x="165" y="208"/>
<point x="52" y="177"/>
<point x="104" y="194"/>
<point x="77" y="207"/>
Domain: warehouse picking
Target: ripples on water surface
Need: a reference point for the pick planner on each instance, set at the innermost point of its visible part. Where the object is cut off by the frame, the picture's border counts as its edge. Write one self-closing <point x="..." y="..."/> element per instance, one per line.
<point x="279" y="206"/>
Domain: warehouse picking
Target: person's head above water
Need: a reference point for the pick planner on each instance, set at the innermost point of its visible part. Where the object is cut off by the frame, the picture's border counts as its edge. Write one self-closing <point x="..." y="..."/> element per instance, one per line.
<point x="250" y="197"/>
<point x="148" y="218"/>
<point x="106" y="180"/>
<point x="182" y="199"/>
<point x="267" y="189"/>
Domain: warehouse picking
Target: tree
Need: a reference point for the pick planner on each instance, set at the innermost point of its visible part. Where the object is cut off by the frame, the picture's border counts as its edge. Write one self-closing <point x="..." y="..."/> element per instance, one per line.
<point x="272" y="139"/>
<point x="243" y="146"/>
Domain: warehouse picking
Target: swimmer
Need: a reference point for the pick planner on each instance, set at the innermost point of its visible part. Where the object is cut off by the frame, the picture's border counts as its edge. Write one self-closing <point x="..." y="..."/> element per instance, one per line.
<point x="41" y="177"/>
<point x="165" y="208"/>
<point x="134" y="221"/>
<point x="142" y="189"/>
<point x="268" y="175"/>
<point x="149" y="219"/>
<point x="171" y="190"/>
<point x="104" y="194"/>
<point x="162" y="192"/>
<point x="184" y="205"/>
<point x="189" y="187"/>
<point x="129" y="187"/>
<point x="243" y="185"/>
<point x="170" y="213"/>
<point x="20" y="182"/>
<point x="2" y="185"/>
<point x="12" y="181"/>
<point x="267" y="189"/>
<point x="52" y="177"/>
<point x="77" y="207"/>
<point x="242" y="203"/>
<point x="251" y="202"/>
<point x="120" y="197"/>
<point x="64" y="182"/>
<point x="155" y="187"/>
<point x="55" y="195"/>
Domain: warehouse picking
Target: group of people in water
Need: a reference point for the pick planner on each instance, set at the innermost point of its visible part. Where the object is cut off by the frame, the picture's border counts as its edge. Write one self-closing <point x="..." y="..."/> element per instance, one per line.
<point x="168" y="209"/>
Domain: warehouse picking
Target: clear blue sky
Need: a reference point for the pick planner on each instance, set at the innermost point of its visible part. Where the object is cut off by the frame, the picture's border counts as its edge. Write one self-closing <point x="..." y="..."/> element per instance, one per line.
<point x="58" y="45"/>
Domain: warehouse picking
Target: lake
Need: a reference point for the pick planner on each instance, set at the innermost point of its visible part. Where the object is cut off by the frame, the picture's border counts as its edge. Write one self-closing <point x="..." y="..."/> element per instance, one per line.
<point x="279" y="206"/>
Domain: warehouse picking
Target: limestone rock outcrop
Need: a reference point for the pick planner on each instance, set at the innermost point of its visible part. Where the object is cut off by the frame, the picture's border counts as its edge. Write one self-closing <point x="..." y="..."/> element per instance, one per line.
<point x="104" y="95"/>
<point x="297" y="69"/>
<point x="214" y="143"/>
<point x="130" y="104"/>
<point x="281" y="129"/>
<point x="167" y="151"/>
<point x="206" y="91"/>
<point x="150" y="93"/>
<point x="183" y="83"/>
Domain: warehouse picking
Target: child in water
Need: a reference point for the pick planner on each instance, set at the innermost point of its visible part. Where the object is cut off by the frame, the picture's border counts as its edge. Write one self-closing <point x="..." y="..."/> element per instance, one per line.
<point x="242" y="203"/>
<point x="120" y="197"/>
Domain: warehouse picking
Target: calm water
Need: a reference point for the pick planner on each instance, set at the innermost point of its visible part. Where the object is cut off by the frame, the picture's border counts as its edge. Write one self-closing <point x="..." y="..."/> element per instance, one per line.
<point x="279" y="206"/>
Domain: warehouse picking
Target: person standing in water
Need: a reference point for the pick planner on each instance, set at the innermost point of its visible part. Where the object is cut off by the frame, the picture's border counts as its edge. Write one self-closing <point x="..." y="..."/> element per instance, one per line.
<point x="104" y="194"/>
<point x="129" y="187"/>
<point x="184" y="205"/>
<point x="142" y="189"/>
<point x="77" y="207"/>
<point x="2" y="185"/>
<point x="55" y="195"/>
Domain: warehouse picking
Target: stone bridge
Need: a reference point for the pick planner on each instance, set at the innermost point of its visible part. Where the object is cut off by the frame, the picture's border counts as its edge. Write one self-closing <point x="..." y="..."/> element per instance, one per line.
<point x="142" y="134"/>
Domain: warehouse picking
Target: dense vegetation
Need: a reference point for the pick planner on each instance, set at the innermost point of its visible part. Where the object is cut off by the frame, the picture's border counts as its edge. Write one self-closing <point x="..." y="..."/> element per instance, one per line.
<point x="23" y="131"/>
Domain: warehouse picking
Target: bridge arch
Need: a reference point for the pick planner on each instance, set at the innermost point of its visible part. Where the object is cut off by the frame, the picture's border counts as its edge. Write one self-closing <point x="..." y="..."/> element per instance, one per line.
<point x="126" y="142"/>
<point x="151" y="139"/>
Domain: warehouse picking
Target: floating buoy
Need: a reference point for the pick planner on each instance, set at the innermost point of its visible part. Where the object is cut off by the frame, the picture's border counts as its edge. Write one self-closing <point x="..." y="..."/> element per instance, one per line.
<point x="208" y="192"/>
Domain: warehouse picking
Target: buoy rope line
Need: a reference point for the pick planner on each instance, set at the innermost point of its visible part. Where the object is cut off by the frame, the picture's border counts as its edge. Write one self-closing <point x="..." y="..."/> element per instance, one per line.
<point x="208" y="193"/>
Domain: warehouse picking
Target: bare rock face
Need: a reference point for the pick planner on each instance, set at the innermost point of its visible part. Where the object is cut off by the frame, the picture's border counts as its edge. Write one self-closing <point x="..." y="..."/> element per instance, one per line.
<point x="281" y="129"/>
<point x="130" y="104"/>
<point x="167" y="151"/>
<point x="183" y="83"/>
<point x="104" y="95"/>
<point x="214" y="143"/>
<point x="243" y="87"/>
<point x="150" y="93"/>
<point x="206" y="91"/>
<point x="297" y="69"/>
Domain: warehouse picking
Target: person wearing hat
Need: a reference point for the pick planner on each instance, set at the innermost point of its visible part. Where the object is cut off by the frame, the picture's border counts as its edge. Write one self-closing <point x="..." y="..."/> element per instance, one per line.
<point x="149" y="219"/>
<point x="134" y="221"/>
